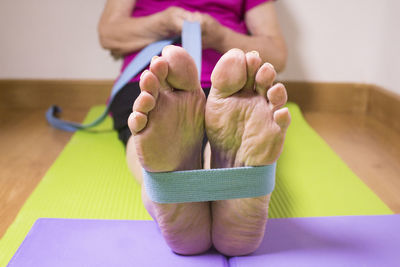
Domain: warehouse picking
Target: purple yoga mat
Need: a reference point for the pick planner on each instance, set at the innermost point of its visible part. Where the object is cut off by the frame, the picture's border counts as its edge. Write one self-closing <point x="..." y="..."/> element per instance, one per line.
<point x="328" y="241"/>
<point x="323" y="241"/>
<point x="108" y="243"/>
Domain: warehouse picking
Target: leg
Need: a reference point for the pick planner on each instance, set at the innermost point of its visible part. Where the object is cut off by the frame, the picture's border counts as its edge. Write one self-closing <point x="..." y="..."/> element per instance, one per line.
<point x="207" y="156"/>
<point x="246" y="126"/>
<point x="167" y="124"/>
<point x="132" y="160"/>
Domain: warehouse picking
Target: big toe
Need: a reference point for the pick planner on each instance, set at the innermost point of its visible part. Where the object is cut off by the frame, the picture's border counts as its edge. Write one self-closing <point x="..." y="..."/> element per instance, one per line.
<point x="230" y="73"/>
<point x="182" y="70"/>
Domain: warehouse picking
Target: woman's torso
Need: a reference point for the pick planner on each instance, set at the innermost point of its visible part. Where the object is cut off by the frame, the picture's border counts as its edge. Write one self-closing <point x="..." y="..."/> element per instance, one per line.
<point x="229" y="13"/>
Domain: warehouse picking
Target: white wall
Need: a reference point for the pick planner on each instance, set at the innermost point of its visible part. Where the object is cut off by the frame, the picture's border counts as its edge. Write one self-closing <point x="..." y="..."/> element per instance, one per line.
<point x="332" y="41"/>
<point x="342" y="41"/>
<point x="53" y="39"/>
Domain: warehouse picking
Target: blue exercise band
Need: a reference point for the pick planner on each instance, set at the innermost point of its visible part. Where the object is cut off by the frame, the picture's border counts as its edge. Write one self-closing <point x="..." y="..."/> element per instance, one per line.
<point x="191" y="41"/>
<point x="209" y="185"/>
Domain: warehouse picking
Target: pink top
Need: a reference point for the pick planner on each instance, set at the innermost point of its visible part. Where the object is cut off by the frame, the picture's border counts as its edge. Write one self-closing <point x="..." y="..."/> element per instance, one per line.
<point x="229" y="13"/>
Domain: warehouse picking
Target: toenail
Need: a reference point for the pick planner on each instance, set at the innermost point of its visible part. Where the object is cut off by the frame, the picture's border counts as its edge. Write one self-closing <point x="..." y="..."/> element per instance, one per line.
<point x="270" y="65"/>
<point x="145" y="71"/>
<point x="154" y="58"/>
<point x="255" y="53"/>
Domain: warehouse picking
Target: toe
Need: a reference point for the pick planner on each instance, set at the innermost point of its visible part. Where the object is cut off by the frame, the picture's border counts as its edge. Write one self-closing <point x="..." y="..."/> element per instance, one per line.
<point x="264" y="78"/>
<point x="144" y="103"/>
<point x="159" y="67"/>
<point x="137" y="121"/>
<point x="277" y="96"/>
<point x="149" y="83"/>
<point x="182" y="70"/>
<point x="253" y="61"/>
<point x="229" y="74"/>
<point x="282" y="118"/>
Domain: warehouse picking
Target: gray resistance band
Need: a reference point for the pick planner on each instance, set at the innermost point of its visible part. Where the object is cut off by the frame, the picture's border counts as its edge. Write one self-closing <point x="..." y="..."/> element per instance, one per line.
<point x="209" y="185"/>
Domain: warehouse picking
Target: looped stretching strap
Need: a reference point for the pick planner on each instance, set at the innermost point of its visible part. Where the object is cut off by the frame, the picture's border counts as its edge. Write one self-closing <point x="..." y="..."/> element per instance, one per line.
<point x="191" y="41"/>
<point x="209" y="185"/>
<point x="183" y="186"/>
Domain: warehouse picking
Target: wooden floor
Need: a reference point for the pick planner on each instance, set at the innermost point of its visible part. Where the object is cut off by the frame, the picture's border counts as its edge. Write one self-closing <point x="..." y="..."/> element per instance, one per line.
<point x="28" y="147"/>
<point x="370" y="148"/>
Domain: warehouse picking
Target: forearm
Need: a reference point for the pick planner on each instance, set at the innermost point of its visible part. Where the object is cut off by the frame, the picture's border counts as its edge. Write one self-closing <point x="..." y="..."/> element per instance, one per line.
<point x="271" y="49"/>
<point x="126" y="34"/>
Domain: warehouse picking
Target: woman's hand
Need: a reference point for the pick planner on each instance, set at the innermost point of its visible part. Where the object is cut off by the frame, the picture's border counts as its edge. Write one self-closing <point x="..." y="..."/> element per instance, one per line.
<point x="172" y="20"/>
<point x="211" y="29"/>
<point x="122" y="34"/>
<point x="264" y="34"/>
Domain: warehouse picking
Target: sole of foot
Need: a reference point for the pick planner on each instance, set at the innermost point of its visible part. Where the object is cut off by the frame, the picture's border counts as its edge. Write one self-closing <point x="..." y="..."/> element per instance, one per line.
<point x="246" y="125"/>
<point x="167" y="124"/>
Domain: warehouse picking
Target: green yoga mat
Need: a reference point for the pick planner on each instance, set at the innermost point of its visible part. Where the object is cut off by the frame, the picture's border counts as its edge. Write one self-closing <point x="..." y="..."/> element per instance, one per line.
<point x="90" y="179"/>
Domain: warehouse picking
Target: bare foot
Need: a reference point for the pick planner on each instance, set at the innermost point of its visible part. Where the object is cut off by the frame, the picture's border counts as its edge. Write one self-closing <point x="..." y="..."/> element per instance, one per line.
<point x="168" y="127"/>
<point x="246" y="126"/>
